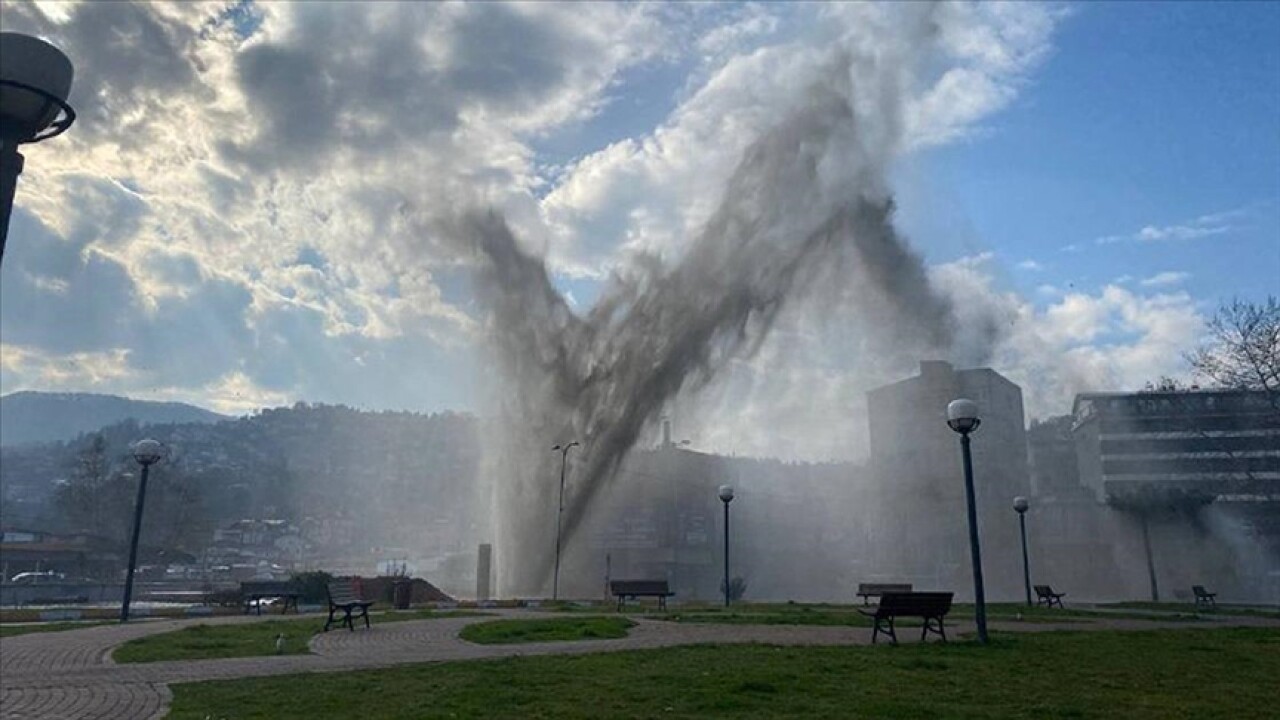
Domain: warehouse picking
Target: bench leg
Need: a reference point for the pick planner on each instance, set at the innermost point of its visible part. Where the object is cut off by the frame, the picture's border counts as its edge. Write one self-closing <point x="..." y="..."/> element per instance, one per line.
<point x="329" y="622"/>
<point x="930" y="627"/>
<point x="884" y="625"/>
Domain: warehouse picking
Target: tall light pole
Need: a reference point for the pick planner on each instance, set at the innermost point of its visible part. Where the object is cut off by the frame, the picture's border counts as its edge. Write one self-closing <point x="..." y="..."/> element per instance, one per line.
<point x="147" y="452"/>
<point x="726" y="497"/>
<point x="962" y="416"/>
<point x="564" y="460"/>
<point x="35" y="80"/>
<point x="1020" y="505"/>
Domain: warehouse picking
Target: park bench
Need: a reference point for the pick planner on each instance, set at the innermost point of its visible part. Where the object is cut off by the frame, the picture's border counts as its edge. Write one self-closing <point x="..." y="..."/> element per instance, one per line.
<point x="931" y="607"/>
<point x="345" y="598"/>
<point x="625" y="590"/>
<point x="1204" y="598"/>
<point x="866" y="591"/>
<point x="253" y="592"/>
<point x="1046" y="596"/>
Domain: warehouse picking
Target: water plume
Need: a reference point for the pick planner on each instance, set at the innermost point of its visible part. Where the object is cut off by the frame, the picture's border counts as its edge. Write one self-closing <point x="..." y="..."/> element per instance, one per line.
<point x="807" y="196"/>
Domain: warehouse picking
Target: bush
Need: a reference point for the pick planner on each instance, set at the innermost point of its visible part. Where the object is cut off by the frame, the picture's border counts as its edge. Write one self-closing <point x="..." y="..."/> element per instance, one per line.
<point x="737" y="588"/>
<point x="312" y="585"/>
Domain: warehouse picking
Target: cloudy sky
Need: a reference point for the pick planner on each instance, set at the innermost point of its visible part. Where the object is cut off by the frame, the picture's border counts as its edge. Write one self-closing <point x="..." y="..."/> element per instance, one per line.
<point x="241" y="215"/>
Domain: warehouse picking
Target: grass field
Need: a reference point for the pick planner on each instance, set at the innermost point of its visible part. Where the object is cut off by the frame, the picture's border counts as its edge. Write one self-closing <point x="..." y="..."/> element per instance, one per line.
<point x="826" y="614"/>
<point x="203" y="642"/>
<point x="592" y="627"/>
<point x="1190" y="608"/>
<point x="1193" y="673"/>
<point x="12" y="630"/>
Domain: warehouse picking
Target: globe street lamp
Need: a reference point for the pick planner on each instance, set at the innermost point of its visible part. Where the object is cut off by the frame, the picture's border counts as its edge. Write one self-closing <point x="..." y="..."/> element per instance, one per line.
<point x="726" y="496"/>
<point x="564" y="459"/>
<point x="147" y="452"/>
<point x="35" y="79"/>
<point x="1020" y="504"/>
<point x="962" y="416"/>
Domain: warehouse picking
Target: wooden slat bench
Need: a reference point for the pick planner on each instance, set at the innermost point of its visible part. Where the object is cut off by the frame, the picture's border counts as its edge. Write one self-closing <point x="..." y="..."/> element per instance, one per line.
<point x="1204" y="598"/>
<point x="1046" y="596"/>
<point x="634" y="589"/>
<point x="866" y="591"/>
<point x="344" y="598"/>
<point x="931" y="607"/>
<point x="253" y="592"/>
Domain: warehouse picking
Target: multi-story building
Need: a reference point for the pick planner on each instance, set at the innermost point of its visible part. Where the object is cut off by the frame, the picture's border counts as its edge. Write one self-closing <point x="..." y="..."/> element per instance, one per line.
<point x="920" y="532"/>
<point x="1192" y="475"/>
<point x="1212" y="442"/>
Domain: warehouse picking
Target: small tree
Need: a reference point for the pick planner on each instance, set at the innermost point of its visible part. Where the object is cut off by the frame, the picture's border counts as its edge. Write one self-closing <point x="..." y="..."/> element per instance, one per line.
<point x="1243" y="349"/>
<point x="1149" y="500"/>
<point x="737" y="588"/>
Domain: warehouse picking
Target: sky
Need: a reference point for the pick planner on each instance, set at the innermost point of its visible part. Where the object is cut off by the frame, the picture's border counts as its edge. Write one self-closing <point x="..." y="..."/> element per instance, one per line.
<point x="248" y="210"/>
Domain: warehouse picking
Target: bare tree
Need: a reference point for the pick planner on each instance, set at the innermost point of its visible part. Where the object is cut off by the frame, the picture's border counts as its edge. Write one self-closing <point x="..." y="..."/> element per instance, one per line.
<point x="1243" y="351"/>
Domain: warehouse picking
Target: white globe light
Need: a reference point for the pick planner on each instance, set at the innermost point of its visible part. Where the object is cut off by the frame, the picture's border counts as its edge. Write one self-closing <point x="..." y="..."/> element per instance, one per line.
<point x="726" y="492"/>
<point x="34" y="63"/>
<point x="1021" y="504"/>
<point x="148" y="451"/>
<point x="962" y="415"/>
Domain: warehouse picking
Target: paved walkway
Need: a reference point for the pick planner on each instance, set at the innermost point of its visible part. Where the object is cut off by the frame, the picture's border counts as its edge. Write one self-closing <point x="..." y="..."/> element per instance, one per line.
<point x="69" y="675"/>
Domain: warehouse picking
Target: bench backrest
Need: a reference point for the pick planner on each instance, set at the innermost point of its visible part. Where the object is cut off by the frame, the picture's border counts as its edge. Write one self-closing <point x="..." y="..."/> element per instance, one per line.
<point x="343" y="592"/>
<point x="1044" y="590"/>
<point x="267" y="587"/>
<point x="924" y="604"/>
<point x="882" y="588"/>
<point x="1199" y="591"/>
<point x="639" y="587"/>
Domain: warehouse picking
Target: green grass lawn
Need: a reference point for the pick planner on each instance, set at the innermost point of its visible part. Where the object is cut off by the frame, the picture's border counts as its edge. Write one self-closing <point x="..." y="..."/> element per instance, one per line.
<point x="1193" y="674"/>
<point x="766" y="617"/>
<point x="827" y="614"/>
<point x="202" y="642"/>
<point x="498" y="632"/>
<point x="12" y="630"/>
<point x="1191" y="609"/>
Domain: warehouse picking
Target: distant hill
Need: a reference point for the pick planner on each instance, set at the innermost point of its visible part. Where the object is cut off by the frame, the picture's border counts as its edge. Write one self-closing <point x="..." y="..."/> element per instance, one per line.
<point x="28" y="417"/>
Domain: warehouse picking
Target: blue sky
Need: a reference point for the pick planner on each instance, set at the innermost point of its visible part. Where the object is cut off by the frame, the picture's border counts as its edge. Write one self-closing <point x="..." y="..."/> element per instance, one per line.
<point x="251" y="210"/>
<point x="1147" y="114"/>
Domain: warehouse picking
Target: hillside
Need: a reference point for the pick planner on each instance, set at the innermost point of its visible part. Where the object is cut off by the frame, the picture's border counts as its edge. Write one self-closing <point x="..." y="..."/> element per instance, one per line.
<point x="30" y="417"/>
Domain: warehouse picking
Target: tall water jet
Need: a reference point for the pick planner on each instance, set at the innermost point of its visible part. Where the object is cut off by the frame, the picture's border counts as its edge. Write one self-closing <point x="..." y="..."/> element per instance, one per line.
<point x="808" y="196"/>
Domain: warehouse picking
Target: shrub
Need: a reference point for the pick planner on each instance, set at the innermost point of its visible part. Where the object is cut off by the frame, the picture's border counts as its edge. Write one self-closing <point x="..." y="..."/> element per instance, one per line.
<point x="312" y="585"/>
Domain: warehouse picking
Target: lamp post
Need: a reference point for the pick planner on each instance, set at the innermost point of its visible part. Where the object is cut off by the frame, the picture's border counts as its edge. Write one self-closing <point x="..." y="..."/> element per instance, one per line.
<point x="564" y="459"/>
<point x="147" y="452"/>
<point x="35" y="79"/>
<point x="1020" y="505"/>
<point x="726" y="497"/>
<point x="962" y="416"/>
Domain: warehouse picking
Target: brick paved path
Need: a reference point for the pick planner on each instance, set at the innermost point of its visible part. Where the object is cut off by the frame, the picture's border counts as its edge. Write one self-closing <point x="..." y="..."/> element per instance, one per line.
<point x="69" y="675"/>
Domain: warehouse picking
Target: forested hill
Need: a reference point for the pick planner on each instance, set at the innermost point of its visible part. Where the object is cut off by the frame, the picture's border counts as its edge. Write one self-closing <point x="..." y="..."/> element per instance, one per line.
<point x="286" y="463"/>
<point x="31" y="417"/>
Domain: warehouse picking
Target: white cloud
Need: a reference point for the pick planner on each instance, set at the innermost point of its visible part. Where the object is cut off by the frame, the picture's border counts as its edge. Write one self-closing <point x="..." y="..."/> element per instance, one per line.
<point x="1203" y="226"/>
<point x="1114" y="339"/>
<point x="1165" y="278"/>
<point x="249" y="219"/>
<point x="1030" y="265"/>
